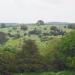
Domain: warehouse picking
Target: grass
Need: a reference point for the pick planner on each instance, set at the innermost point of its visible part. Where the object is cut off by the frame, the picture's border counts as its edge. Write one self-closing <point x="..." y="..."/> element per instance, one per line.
<point x="47" y="73"/>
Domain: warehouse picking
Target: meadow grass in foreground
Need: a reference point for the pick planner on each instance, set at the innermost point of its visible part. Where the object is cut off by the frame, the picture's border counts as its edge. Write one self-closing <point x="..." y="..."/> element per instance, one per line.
<point x="47" y="73"/>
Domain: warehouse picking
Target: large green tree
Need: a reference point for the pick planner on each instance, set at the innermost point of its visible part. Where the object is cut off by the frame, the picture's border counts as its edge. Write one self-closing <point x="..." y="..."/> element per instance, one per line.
<point x="67" y="50"/>
<point x="40" y="22"/>
<point x="29" y="59"/>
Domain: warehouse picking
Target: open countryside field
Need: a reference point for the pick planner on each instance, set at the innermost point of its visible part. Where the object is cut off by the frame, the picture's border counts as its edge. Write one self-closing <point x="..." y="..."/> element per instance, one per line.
<point x="36" y="49"/>
<point x="16" y="35"/>
<point x="37" y="37"/>
<point x="43" y="28"/>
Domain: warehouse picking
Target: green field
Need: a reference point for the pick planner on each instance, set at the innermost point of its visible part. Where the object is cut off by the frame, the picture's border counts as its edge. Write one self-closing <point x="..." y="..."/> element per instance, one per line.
<point x="15" y="43"/>
<point x="18" y="30"/>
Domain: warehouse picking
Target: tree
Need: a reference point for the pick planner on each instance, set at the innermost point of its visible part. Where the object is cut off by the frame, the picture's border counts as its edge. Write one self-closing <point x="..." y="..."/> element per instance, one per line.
<point x="52" y="55"/>
<point x="58" y="32"/>
<point x="71" y="26"/>
<point x="55" y="31"/>
<point x="67" y="50"/>
<point x="30" y="47"/>
<point x="24" y="27"/>
<point x="40" y="22"/>
<point x="14" y="28"/>
<point x="3" y="37"/>
<point x="45" y="28"/>
<point x="53" y="28"/>
<point x="29" y="59"/>
<point x="3" y="25"/>
<point x="35" y="31"/>
<point x="7" y="62"/>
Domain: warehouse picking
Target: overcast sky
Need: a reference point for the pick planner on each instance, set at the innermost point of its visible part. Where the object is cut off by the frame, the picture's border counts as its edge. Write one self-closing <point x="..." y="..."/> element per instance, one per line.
<point x="28" y="11"/>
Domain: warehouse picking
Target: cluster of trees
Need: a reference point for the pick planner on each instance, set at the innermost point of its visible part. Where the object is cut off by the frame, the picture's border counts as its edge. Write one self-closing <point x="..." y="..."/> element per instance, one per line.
<point x="3" y="25"/>
<point x="3" y="37"/>
<point x="24" y="27"/>
<point x="61" y="56"/>
<point x="44" y="36"/>
<point x="35" y="32"/>
<point x="14" y="36"/>
<point x="71" y="26"/>
<point x="40" y="22"/>
<point x="67" y="50"/>
<point x="55" y="31"/>
<point x="28" y="59"/>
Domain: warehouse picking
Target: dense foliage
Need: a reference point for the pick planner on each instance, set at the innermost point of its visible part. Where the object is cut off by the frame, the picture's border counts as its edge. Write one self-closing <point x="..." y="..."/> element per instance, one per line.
<point x="50" y="53"/>
<point x="67" y="50"/>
